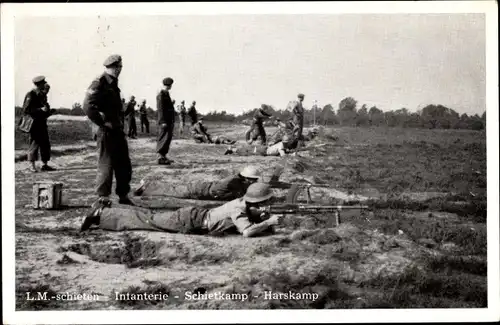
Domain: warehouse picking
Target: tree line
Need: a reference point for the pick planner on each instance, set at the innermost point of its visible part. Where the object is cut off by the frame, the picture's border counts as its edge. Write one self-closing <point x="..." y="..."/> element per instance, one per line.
<point x="347" y="114"/>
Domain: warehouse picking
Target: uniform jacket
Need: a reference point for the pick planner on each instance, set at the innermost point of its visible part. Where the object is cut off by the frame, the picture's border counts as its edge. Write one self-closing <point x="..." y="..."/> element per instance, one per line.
<point x="143" y="109"/>
<point x="34" y="101"/>
<point x="103" y="101"/>
<point x="193" y="115"/>
<point x="130" y="111"/>
<point x="166" y="111"/>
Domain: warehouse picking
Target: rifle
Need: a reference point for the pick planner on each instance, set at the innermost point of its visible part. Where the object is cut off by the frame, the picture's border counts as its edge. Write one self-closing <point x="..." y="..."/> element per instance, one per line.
<point x="289" y="208"/>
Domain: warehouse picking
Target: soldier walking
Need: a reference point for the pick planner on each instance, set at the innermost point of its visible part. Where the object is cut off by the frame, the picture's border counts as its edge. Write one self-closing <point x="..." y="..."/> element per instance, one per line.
<point x="182" y="117"/>
<point x="258" y="125"/>
<point x="193" y="115"/>
<point x="36" y="105"/>
<point x="130" y="115"/>
<point x="103" y="106"/>
<point x="166" y="119"/>
<point x="144" y="117"/>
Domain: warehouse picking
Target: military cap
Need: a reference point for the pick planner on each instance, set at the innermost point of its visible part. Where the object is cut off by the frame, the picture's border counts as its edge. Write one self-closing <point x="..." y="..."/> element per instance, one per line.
<point x="168" y="81"/>
<point x="300" y="95"/>
<point x="112" y="59"/>
<point x="39" y="79"/>
<point x="182" y="102"/>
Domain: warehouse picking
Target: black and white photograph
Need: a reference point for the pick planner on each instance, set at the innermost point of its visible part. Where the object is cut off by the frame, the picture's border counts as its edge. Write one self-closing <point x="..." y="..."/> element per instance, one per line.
<point x="250" y="162"/>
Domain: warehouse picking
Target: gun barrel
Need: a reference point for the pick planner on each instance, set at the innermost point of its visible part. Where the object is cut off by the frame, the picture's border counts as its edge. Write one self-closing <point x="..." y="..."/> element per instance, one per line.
<point x="294" y="208"/>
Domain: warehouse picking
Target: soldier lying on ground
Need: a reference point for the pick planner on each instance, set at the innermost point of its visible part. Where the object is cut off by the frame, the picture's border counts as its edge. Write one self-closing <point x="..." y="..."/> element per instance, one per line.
<point x="245" y="215"/>
<point x="200" y="135"/>
<point x="226" y="189"/>
<point x="282" y="148"/>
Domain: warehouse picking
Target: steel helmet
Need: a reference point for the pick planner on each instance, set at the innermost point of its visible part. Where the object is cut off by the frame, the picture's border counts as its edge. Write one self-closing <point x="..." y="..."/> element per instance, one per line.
<point x="286" y="138"/>
<point x="258" y="192"/>
<point x="250" y="172"/>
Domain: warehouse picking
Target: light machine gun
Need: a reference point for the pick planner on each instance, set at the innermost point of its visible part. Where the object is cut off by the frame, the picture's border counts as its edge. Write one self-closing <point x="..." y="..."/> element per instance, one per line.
<point x="290" y="208"/>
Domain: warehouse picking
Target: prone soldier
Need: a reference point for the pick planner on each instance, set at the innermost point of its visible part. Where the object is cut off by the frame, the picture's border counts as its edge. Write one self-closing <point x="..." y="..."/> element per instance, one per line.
<point x="166" y="117"/>
<point x="246" y="215"/>
<point x="37" y="107"/>
<point x="281" y="148"/>
<point x="229" y="188"/>
<point x="103" y="106"/>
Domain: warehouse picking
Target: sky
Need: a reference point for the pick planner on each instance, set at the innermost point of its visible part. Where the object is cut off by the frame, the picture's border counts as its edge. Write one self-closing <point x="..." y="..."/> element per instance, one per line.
<point x="238" y="62"/>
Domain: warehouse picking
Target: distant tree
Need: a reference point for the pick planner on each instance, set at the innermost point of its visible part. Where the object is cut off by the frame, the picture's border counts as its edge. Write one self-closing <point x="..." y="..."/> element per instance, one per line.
<point x="347" y="111"/>
<point x="77" y="109"/>
<point x="327" y="115"/>
<point x="363" y="118"/>
<point x="376" y="116"/>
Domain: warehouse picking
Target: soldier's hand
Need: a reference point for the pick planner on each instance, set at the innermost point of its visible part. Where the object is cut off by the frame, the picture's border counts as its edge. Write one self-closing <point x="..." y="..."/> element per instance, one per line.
<point x="163" y="125"/>
<point x="276" y="219"/>
<point x="108" y="125"/>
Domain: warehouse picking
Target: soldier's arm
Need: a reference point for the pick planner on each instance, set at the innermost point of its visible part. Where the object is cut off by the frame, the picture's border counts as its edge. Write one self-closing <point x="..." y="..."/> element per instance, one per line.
<point x="248" y="229"/>
<point x="91" y="103"/>
<point x="28" y="108"/>
<point x="160" y="106"/>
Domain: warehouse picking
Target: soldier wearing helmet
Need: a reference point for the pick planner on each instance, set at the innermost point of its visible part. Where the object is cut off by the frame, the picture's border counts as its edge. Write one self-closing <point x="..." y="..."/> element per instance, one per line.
<point x="282" y="148"/>
<point x="245" y="215"/>
<point x="229" y="188"/>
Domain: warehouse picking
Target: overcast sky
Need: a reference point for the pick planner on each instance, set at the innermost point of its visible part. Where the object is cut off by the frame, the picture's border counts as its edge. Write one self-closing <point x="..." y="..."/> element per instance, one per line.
<point x="236" y="63"/>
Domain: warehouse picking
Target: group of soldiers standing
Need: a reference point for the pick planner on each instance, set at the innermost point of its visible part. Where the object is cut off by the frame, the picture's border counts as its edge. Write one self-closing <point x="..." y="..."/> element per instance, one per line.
<point x="105" y="108"/>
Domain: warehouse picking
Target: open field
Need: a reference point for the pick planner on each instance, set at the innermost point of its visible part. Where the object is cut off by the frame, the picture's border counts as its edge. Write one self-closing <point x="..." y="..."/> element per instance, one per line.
<point x="423" y="245"/>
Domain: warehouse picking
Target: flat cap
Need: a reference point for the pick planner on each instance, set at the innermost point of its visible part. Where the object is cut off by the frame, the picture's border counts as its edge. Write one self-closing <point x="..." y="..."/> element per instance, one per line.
<point x="38" y="79"/>
<point x="112" y="59"/>
<point x="168" y="81"/>
<point x="300" y="95"/>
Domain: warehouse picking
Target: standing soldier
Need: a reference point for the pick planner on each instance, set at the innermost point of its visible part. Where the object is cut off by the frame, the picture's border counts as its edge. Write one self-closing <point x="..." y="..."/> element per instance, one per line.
<point x="130" y="114"/>
<point x="103" y="105"/>
<point x="193" y="115"/>
<point x="144" y="117"/>
<point x="182" y="117"/>
<point x="258" y="125"/>
<point x="166" y="118"/>
<point x="298" y="118"/>
<point x="36" y="105"/>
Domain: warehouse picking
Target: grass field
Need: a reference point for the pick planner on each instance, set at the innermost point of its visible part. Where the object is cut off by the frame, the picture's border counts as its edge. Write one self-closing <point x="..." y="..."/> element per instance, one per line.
<point x="423" y="245"/>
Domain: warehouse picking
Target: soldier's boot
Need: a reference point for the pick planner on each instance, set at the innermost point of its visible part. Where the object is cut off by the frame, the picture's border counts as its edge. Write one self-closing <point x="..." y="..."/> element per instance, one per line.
<point x="47" y="168"/>
<point x="126" y="200"/>
<point x="93" y="215"/>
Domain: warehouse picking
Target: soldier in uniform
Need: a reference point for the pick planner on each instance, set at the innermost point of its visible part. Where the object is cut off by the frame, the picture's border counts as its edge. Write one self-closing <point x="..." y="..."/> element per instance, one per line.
<point x="199" y="132"/>
<point x="130" y="115"/>
<point x="166" y="118"/>
<point x="144" y="117"/>
<point x="246" y="216"/>
<point x="298" y="118"/>
<point x="258" y="125"/>
<point x="103" y="106"/>
<point x="36" y="105"/>
<point x="182" y="117"/>
<point x="282" y="148"/>
<point x="192" y="113"/>
<point x="226" y="189"/>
